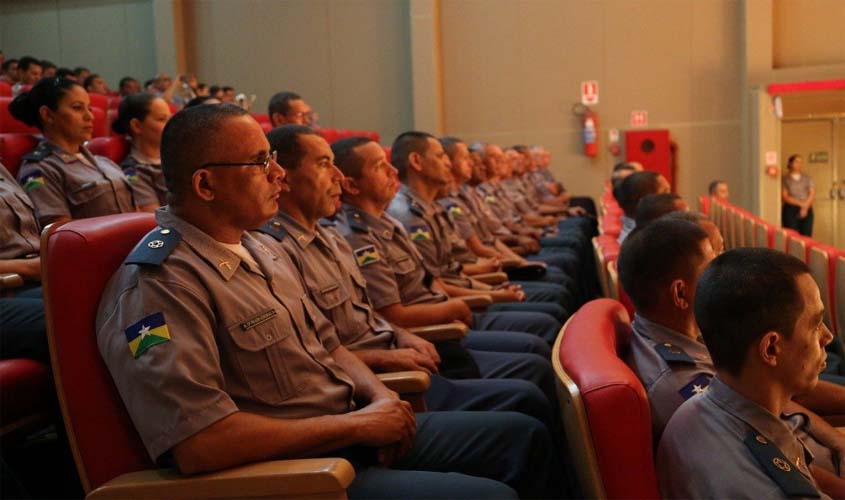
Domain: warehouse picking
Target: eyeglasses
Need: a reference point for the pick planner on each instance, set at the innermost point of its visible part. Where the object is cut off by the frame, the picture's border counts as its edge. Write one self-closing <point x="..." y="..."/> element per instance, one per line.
<point x="265" y="165"/>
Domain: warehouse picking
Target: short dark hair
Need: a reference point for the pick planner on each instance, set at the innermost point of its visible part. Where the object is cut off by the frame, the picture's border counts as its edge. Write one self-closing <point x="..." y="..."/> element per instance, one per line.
<point x="7" y="63"/>
<point x="285" y="141"/>
<point x="632" y="188"/>
<point x="227" y="88"/>
<point x="653" y="256"/>
<point x="26" y="61"/>
<point x="280" y="102"/>
<point x="653" y="206"/>
<point x="711" y="188"/>
<point x="743" y="294"/>
<point x="185" y="139"/>
<point x="405" y="144"/>
<point x="196" y="101"/>
<point x="89" y="80"/>
<point x="789" y="162"/>
<point x="125" y="81"/>
<point x="79" y="70"/>
<point x="132" y="106"/>
<point x="449" y="144"/>
<point x="696" y="217"/>
<point x="45" y="64"/>
<point x="46" y="92"/>
<point x="64" y="73"/>
<point x="345" y="157"/>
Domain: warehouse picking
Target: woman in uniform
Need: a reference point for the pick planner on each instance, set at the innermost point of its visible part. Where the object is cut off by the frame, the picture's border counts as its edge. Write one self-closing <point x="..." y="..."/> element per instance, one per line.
<point x="798" y="196"/>
<point x="63" y="179"/>
<point x="142" y="117"/>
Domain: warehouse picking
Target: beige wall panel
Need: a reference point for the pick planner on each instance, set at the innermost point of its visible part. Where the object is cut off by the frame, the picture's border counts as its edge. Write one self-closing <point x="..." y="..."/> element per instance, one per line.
<point x="808" y="32"/>
<point x="716" y="65"/>
<point x="712" y="153"/>
<point x="30" y="28"/>
<point x="348" y="59"/>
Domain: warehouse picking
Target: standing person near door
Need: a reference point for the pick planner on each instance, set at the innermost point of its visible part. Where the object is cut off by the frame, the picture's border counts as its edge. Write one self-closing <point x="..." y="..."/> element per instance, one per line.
<point x="798" y="195"/>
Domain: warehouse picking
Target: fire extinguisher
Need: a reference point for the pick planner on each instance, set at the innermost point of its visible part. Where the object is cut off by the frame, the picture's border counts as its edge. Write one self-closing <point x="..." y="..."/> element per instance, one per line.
<point x="590" y="124"/>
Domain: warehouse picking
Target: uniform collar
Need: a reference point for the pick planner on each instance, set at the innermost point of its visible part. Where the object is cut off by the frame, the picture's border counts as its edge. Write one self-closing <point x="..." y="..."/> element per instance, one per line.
<point x="217" y="256"/>
<point x="775" y="429"/>
<point x="302" y="236"/>
<point x="142" y="159"/>
<point x="66" y="156"/>
<point x="660" y="334"/>
<point x="416" y="201"/>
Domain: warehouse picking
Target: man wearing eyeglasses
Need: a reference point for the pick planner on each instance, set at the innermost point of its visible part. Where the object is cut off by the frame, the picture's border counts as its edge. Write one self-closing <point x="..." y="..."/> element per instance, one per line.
<point x="289" y="108"/>
<point x="221" y="359"/>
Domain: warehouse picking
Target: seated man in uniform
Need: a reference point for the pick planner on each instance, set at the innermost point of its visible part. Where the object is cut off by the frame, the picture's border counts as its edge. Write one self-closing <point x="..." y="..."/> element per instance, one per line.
<point x="331" y="275"/>
<point x="631" y="190"/>
<point x="221" y="359"/>
<point x="760" y="314"/>
<point x="659" y="266"/>
<point x="288" y="108"/>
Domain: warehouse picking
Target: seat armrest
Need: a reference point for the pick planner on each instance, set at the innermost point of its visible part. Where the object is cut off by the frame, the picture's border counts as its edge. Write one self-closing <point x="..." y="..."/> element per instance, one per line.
<point x="835" y="420"/>
<point x="410" y="382"/>
<point x="477" y="301"/>
<point x="444" y="331"/>
<point x="511" y="262"/>
<point x="10" y="280"/>
<point x="312" y="478"/>
<point x="491" y="278"/>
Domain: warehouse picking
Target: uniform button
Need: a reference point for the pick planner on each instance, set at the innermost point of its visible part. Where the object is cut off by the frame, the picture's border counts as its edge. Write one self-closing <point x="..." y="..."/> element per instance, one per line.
<point x="268" y="337"/>
<point x="165" y="231"/>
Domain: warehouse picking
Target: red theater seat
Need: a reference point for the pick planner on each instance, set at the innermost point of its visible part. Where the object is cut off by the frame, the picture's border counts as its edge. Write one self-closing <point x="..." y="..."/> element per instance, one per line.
<point x="266" y="126"/>
<point x="10" y="124"/>
<point x="99" y="101"/>
<point x="26" y="395"/>
<point x="101" y="124"/>
<point x="78" y="258"/>
<point x="329" y="134"/>
<point x="605" y="408"/>
<point x="261" y="117"/>
<point x="5" y="90"/>
<point x="704" y="204"/>
<point x="822" y="262"/>
<point x="114" y="148"/>
<point x="12" y="149"/>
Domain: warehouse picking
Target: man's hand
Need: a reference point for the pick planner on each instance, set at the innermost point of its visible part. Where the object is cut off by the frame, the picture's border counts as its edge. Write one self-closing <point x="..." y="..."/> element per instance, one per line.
<point x="397" y="360"/>
<point x="388" y="424"/>
<point x="411" y="341"/>
<point x="488" y="265"/>
<point x="802" y="214"/>
<point x="510" y="293"/>
<point x="460" y="311"/>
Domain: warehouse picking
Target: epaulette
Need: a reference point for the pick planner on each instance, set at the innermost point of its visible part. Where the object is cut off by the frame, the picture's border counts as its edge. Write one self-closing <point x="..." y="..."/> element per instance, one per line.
<point x="154" y="248"/>
<point x="357" y="223"/>
<point x="778" y="467"/>
<point x="672" y="353"/>
<point x="416" y="209"/>
<point x="129" y="161"/>
<point x="699" y="384"/>
<point x="37" y="154"/>
<point x="275" y="229"/>
<point x="327" y="223"/>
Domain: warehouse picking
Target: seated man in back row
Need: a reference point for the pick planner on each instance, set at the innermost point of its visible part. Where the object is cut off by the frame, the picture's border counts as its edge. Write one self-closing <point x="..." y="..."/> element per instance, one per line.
<point x="221" y="359"/>
<point x="760" y="314"/>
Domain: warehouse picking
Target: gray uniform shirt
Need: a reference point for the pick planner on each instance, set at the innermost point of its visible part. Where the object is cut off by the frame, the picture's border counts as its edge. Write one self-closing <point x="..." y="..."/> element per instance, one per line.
<point x="671" y="366"/>
<point x="484" y="222"/>
<point x="333" y="279"/>
<point x="146" y="178"/>
<point x="722" y="445"/>
<point x="393" y="270"/>
<point x="425" y="228"/>
<point x="19" y="235"/>
<point x="799" y="189"/>
<point x="239" y="336"/>
<point x="453" y="215"/>
<point x="63" y="185"/>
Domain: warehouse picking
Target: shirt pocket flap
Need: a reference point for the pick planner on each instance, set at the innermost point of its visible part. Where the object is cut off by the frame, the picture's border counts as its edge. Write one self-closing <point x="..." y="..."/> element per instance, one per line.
<point x="260" y="330"/>
<point x="88" y="191"/>
<point x="328" y="296"/>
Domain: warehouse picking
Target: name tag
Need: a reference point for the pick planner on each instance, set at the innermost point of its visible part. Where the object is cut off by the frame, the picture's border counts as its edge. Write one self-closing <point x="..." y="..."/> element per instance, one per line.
<point x="261" y="318"/>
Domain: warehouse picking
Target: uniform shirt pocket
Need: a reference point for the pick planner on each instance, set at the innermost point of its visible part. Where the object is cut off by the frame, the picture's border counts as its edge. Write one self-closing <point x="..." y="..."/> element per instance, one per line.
<point x="402" y="264"/>
<point x="265" y="345"/>
<point x="85" y="193"/>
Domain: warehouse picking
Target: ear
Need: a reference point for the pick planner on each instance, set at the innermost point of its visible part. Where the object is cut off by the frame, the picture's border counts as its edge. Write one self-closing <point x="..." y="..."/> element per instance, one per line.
<point x="202" y="185"/>
<point x="135" y="126"/>
<point x="276" y="119"/>
<point x="415" y="161"/>
<point x="349" y="185"/>
<point x="769" y="348"/>
<point x="680" y="294"/>
<point x="46" y="115"/>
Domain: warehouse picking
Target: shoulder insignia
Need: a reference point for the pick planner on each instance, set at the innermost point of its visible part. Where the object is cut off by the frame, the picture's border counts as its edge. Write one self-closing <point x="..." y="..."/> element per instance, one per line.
<point x="455" y="210"/>
<point x="154" y="248"/>
<point x="32" y="180"/>
<point x="778" y="467"/>
<point x="128" y="162"/>
<point x="357" y="223"/>
<point x="491" y="199"/>
<point x="366" y="255"/>
<point x="419" y="233"/>
<point x="672" y="353"/>
<point x="37" y="154"/>
<point x="131" y="174"/>
<point x="327" y="222"/>
<point x="275" y="229"/>
<point x="146" y="333"/>
<point x="698" y="385"/>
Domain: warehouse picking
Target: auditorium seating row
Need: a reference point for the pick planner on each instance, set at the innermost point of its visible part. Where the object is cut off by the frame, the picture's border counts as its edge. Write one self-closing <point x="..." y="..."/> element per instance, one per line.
<point x="827" y="263"/>
<point x="606" y="248"/>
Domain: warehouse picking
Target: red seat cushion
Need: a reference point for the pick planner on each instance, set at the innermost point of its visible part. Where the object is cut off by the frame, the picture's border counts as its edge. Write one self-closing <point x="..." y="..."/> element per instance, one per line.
<point x="114" y="148"/>
<point x="99" y="101"/>
<point x="596" y="337"/>
<point x="26" y="388"/>
<point x="12" y="149"/>
<point x="10" y="124"/>
<point x="5" y="90"/>
<point x="101" y="125"/>
<point x="261" y="117"/>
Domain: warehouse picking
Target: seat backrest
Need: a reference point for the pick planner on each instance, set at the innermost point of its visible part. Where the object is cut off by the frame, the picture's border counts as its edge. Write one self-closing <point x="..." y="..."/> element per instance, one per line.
<point x="764" y="234"/>
<point x="99" y="101"/>
<point x="798" y="246"/>
<point x="12" y="149"/>
<point x="822" y="262"/>
<point x="5" y="90"/>
<point x="737" y="228"/>
<point x="839" y="295"/>
<point x="781" y="238"/>
<point x="10" y="124"/>
<point x="704" y="204"/>
<point x="749" y="238"/>
<point x="115" y="148"/>
<point x="78" y="259"/>
<point x="101" y="123"/>
<point x="613" y="455"/>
